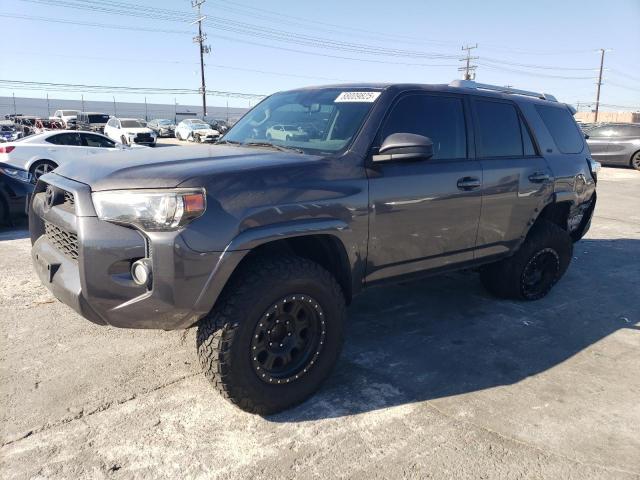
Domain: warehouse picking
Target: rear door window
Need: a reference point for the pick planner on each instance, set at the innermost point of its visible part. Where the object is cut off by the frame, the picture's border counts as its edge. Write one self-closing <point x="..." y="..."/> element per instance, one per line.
<point x="91" y="140"/>
<point x="562" y="127"/>
<point x="438" y="117"/>
<point x="499" y="132"/>
<point x="69" y="139"/>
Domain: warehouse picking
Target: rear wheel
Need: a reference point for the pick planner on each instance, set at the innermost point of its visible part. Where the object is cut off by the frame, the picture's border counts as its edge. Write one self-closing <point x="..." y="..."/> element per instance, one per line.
<point x="535" y="268"/>
<point x="268" y="346"/>
<point x="40" y="168"/>
<point x="635" y="160"/>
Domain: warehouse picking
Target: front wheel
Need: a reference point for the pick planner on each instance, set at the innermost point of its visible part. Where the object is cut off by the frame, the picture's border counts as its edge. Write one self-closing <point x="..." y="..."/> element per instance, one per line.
<point x="635" y="160"/>
<point x="535" y="268"/>
<point x="268" y="346"/>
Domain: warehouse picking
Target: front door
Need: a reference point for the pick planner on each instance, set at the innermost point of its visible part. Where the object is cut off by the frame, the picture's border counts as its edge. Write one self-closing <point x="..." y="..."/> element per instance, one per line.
<point x="424" y="213"/>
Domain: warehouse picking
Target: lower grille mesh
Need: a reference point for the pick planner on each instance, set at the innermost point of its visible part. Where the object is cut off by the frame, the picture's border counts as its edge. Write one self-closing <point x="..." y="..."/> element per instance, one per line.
<point x="64" y="241"/>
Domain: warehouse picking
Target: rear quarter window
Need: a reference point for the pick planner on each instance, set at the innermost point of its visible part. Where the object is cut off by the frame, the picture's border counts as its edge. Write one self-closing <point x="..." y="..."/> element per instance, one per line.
<point x="563" y="128"/>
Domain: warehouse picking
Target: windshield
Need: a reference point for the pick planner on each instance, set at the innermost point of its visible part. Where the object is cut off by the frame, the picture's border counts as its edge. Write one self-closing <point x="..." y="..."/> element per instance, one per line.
<point x="69" y="112"/>
<point x="164" y="122"/>
<point x="316" y="121"/>
<point x="98" y="118"/>
<point x="200" y="126"/>
<point x="133" y="124"/>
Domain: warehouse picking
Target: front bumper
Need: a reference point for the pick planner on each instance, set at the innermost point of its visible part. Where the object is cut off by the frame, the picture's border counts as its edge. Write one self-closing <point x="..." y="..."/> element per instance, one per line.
<point x="87" y="266"/>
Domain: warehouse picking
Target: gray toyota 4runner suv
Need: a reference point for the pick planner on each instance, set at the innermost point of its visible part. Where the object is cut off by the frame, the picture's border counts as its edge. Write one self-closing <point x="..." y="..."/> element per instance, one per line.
<point x="262" y="241"/>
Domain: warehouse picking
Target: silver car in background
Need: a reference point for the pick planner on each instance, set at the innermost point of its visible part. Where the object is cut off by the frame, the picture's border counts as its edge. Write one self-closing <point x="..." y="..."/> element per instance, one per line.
<point x="615" y="144"/>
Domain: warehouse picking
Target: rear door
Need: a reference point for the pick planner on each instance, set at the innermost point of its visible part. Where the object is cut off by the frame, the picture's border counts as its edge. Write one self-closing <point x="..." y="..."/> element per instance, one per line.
<point x="424" y="213"/>
<point x="516" y="178"/>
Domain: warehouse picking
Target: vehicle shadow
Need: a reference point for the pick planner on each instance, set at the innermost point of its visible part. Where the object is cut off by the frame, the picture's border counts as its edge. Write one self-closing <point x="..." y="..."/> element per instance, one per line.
<point x="446" y="336"/>
<point x="19" y="229"/>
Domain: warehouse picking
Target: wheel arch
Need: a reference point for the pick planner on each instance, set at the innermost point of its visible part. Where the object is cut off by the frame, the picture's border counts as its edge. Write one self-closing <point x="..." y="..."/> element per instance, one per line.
<point x="325" y="249"/>
<point x="32" y="163"/>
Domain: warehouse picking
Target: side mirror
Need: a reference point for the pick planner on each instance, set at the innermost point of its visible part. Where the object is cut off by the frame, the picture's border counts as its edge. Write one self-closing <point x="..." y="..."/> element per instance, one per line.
<point x="404" y="146"/>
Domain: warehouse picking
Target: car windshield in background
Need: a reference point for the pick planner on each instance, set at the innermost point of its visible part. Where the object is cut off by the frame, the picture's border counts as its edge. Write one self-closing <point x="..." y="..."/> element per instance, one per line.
<point x="132" y="124"/>
<point x="98" y="118"/>
<point x="164" y="122"/>
<point x="320" y="121"/>
<point x="69" y="112"/>
<point x="200" y="126"/>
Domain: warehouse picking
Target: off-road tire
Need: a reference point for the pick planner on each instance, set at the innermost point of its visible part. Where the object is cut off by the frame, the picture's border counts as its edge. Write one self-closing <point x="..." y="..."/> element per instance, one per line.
<point x="507" y="278"/>
<point x="225" y="336"/>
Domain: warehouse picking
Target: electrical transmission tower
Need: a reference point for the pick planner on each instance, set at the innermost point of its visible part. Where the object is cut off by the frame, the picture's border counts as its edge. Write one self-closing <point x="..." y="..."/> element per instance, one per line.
<point x="199" y="39"/>
<point x="469" y="70"/>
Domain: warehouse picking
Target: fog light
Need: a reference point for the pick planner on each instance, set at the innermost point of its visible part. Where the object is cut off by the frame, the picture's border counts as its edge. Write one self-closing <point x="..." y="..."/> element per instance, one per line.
<point x="141" y="272"/>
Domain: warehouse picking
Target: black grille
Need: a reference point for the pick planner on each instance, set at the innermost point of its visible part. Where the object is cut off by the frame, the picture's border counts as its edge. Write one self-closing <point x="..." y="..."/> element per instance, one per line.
<point x="142" y="137"/>
<point x="64" y="241"/>
<point x="69" y="201"/>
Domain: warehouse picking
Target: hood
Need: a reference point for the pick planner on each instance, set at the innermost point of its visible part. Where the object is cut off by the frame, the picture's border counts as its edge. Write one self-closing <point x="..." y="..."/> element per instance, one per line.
<point x="205" y="131"/>
<point x="137" y="130"/>
<point x="169" y="167"/>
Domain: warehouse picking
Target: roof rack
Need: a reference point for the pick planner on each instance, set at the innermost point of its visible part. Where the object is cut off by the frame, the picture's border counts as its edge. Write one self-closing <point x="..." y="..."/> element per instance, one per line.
<point x="496" y="88"/>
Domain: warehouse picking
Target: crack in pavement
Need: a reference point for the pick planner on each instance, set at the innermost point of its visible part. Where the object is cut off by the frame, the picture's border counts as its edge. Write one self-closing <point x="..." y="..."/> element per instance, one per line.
<point x="101" y="408"/>
<point x="517" y="441"/>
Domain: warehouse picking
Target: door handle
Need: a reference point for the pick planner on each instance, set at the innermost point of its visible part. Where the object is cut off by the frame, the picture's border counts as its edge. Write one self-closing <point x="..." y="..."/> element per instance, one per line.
<point x="468" y="183"/>
<point x="539" y="177"/>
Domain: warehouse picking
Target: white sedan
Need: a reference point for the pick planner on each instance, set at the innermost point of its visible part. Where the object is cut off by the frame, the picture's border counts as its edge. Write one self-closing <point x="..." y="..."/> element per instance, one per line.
<point x="130" y="131"/>
<point x="285" y="133"/>
<point x="195" y="130"/>
<point x="41" y="153"/>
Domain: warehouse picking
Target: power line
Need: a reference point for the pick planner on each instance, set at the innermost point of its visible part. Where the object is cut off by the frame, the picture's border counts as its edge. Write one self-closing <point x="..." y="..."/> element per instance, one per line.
<point x="235" y="40"/>
<point x="180" y="62"/>
<point x="25" y="85"/>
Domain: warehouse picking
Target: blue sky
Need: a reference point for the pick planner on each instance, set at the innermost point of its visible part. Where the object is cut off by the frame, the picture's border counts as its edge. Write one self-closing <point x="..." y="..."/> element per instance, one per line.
<point x="528" y="45"/>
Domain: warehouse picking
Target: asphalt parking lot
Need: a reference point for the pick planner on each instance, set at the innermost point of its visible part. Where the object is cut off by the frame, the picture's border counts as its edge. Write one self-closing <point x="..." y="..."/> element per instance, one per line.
<point x="437" y="380"/>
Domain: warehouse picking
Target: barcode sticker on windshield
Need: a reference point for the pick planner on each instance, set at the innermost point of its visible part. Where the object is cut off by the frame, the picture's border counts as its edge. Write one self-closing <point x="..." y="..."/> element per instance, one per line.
<point x="367" y="97"/>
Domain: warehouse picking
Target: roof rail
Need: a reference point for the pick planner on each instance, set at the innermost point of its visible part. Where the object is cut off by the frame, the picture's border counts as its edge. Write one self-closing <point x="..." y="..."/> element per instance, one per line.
<point x="496" y="88"/>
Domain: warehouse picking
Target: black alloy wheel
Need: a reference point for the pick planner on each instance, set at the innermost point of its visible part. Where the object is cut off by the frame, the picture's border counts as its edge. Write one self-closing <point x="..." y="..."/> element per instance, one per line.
<point x="288" y="339"/>
<point x="540" y="274"/>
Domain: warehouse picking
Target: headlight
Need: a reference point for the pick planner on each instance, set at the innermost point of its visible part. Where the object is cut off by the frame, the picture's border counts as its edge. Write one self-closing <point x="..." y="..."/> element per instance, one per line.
<point x="151" y="210"/>
<point x="16" y="173"/>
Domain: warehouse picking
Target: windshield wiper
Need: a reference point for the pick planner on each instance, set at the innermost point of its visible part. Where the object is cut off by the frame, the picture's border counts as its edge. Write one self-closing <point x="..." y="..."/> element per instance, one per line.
<point x="228" y="142"/>
<point x="282" y="148"/>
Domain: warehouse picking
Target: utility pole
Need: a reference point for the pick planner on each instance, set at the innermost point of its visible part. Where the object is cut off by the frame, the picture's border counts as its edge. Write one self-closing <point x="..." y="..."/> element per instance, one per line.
<point x="48" y="107"/>
<point x="146" y="115"/>
<point x="115" y="111"/>
<point x="602" y="50"/>
<point x="82" y="97"/>
<point x="14" y="104"/>
<point x="175" y="110"/>
<point x="469" y="70"/>
<point x="199" y="39"/>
